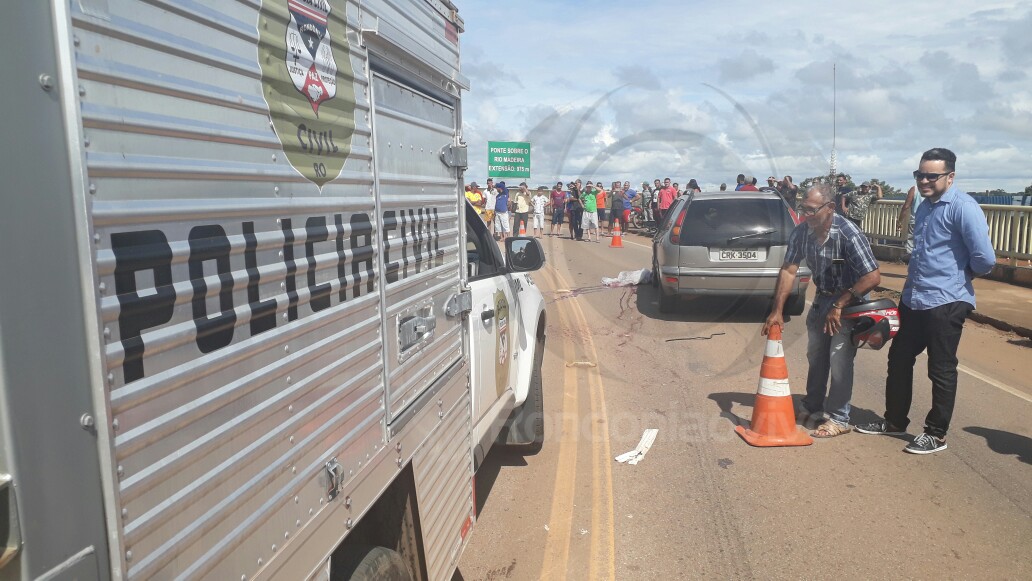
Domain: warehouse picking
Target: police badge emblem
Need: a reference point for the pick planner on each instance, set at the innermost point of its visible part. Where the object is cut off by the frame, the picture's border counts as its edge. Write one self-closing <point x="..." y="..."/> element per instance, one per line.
<point x="308" y="83"/>
<point x="309" y="53"/>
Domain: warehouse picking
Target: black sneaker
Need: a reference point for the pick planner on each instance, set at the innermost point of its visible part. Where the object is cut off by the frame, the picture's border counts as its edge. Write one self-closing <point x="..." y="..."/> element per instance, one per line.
<point x="882" y="428"/>
<point x="926" y="444"/>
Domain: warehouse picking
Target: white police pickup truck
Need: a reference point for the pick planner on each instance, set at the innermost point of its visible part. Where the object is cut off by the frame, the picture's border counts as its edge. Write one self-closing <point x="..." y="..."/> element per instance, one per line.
<point x="249" y="327"/>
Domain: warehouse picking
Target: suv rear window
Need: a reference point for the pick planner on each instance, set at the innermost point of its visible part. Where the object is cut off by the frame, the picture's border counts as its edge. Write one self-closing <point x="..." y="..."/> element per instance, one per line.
<point x="719" y="223"/>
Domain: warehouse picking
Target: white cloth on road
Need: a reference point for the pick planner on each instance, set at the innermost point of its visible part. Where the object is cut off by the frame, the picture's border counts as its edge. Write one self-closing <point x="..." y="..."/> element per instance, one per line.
<point x="629" y="278"/>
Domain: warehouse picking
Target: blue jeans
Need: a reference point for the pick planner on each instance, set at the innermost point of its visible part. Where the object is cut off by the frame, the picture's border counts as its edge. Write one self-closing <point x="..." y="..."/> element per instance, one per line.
<point x="828" y="355"/>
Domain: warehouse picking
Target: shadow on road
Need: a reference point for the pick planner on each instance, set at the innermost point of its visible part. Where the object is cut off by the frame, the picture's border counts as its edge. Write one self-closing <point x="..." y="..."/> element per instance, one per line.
<point x="498" y="457"/>
<point x="1005" y="443"/>
<point x="726" y="400"/>
<point x="706" y="309"/>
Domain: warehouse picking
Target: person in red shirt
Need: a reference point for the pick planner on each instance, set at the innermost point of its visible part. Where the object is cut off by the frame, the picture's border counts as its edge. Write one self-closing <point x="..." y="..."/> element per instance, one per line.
<point x="748" y="186"/>
<point x="667" y="195"/>
<point x="601" y="198"/>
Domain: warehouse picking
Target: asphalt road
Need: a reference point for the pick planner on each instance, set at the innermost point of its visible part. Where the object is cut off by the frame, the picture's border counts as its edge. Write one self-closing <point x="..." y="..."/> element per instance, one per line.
<point x="703" y="504"/>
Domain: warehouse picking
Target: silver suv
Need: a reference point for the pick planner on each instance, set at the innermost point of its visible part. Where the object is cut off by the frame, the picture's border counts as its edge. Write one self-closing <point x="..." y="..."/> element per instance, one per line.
<point x="724" y="244"/>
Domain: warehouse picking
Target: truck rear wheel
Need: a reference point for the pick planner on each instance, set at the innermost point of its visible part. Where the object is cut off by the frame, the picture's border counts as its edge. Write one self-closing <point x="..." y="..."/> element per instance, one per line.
<point x="369" y="564"/>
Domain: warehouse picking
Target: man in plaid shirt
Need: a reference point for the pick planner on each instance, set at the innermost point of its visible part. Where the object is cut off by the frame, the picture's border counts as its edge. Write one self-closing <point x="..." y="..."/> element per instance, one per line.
<point x="844" y="270"/>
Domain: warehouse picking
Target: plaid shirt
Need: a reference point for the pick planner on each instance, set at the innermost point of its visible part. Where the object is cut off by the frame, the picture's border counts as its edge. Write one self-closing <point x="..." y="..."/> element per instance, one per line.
<point x="838" y="263"/>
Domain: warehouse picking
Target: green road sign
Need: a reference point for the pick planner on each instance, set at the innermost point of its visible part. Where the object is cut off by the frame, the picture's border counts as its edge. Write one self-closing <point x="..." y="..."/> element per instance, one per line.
<point x="508" y="159"/>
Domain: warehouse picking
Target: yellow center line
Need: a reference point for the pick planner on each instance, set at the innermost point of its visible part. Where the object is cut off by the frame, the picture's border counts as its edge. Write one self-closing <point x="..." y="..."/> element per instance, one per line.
<point x="557" y="544"/>
<point x="602" y="564"/>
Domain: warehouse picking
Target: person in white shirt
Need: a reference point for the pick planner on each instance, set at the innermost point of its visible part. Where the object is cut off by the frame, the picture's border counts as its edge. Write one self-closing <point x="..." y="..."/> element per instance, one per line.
<point x="538" y="202"/>
<point x="489" y="204"/>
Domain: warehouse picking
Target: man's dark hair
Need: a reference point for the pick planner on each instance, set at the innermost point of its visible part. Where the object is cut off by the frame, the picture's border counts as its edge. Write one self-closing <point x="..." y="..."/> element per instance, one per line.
<point x="741" y="178"/>
<point x="941" y="154"/>
<point x="754" y="181"/>
<point x="843" y="176"/>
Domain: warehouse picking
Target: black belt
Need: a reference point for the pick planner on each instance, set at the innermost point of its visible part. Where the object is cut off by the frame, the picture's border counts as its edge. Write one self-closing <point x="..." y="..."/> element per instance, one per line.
<point x="830" y="293"/>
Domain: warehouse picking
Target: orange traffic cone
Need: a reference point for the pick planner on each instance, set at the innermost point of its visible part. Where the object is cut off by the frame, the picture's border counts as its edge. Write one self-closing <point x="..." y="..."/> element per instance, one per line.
<point x="617" y="241"/>
<point x="523" y="227"/>
<point x="773" y="419"/>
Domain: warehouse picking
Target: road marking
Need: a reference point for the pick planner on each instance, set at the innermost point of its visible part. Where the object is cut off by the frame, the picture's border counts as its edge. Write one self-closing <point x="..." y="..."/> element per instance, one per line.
<point x="996" y="384"/>
<point x="646" y="247"/>
<point x="602" y="562"/>
<point x="557" y="544"/>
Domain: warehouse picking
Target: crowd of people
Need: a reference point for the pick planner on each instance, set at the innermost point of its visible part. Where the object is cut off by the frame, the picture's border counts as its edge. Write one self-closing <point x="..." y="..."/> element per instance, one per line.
<point x="587" y="208"/>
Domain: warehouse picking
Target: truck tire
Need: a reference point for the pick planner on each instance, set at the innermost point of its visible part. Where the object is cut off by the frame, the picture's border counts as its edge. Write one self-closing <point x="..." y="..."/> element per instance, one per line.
<point x="525" y="428"/>
<point x="365" y="563"/>
<point x="795" y="305"/>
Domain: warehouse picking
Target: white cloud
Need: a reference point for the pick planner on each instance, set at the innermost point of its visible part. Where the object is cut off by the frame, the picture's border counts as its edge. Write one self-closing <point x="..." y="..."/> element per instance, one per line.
<point x="631" y="103"/>
<point x="747" y="65"/>
<point x="604" y="137"/>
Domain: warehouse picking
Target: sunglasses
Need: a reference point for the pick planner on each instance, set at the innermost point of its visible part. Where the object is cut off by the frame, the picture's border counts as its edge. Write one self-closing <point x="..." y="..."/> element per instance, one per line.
<point x="931" y="177"/>
<point x="808" y="211"/>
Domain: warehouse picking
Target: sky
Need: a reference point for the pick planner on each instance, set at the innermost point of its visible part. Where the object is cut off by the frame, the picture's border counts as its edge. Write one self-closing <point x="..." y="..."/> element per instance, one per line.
<point x="687" y="89"/>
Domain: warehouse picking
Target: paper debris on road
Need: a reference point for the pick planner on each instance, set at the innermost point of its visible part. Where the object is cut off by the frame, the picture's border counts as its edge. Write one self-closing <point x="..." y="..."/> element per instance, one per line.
<point x="638" y="454"/>
<point x="629" y="278"/>
<point x="581" y="364"/>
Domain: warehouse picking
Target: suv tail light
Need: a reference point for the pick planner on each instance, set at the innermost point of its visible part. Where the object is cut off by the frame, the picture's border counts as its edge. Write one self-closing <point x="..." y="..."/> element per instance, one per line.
<point x="675" y="232"/>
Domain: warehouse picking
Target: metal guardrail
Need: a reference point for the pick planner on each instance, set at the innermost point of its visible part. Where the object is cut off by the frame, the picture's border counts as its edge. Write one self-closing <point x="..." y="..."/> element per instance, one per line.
<point x="1010" y="227"/>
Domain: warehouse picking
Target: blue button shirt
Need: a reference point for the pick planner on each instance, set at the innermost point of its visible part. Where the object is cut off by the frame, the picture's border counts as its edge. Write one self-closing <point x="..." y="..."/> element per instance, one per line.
<point x="629" y="195"/>
<point x="838" y="262"/>
<point x="951" y="245"/>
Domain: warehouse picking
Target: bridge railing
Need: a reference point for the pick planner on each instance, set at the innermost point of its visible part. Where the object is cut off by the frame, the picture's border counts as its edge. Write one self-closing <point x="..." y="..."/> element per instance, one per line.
<point x="1010" y="227"/>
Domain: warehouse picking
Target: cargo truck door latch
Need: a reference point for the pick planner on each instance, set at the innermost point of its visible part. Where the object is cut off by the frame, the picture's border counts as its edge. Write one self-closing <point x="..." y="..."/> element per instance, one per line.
<point x="455" y="156"/>
<point x="459" y="304"/>
<point x="336" y="472"/>
<point x="416" y="326"/>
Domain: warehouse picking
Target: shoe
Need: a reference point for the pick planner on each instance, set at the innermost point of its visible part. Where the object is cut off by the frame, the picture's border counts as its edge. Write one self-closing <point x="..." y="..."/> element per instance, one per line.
<point x="830" y="429"/>
<point x="882" y="428"/>
<point x="926" y="444"/>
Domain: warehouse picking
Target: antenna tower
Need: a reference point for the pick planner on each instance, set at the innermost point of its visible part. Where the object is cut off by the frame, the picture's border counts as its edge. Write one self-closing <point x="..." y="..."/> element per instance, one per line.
<point x="834" y="128"/>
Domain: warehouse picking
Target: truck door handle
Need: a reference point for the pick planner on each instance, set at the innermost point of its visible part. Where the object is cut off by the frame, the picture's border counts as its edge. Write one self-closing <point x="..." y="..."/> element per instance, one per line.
<point x="487" y="315"/>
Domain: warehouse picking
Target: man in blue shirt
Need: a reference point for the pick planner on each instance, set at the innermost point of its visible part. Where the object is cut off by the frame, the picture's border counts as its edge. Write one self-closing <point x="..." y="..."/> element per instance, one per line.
<point x="844" y="270"/>
<point x="951" y="246"/>
<point x="629" y="196"/>
<point x="501" y="215"/>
